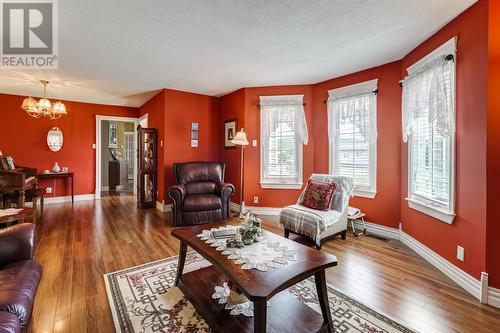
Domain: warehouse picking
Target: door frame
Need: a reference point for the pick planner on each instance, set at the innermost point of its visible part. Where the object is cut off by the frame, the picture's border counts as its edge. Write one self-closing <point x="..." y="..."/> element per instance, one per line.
<point x="134" y="149"/>
<point x="98" y="151"/>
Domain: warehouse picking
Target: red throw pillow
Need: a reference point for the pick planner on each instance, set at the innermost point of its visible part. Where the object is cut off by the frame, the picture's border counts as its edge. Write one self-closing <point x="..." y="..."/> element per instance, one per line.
<point x="318" y="195"/>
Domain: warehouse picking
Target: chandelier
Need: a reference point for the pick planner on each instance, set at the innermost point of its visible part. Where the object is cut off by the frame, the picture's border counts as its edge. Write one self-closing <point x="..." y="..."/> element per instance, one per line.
<point x="43" y="107"/>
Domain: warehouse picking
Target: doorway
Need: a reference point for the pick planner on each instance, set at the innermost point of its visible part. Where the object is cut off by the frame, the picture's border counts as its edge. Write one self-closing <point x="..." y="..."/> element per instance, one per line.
<point x="116" y="167"/>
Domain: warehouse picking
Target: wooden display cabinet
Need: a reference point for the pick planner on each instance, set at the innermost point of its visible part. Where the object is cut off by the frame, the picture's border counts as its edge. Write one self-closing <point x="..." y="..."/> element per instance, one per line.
<point x="146" y="167"/>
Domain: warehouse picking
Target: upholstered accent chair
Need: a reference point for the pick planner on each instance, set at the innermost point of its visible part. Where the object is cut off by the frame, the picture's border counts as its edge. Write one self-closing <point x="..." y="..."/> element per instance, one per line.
<point x="200" y="196"/>
<point x="320" y="225"/>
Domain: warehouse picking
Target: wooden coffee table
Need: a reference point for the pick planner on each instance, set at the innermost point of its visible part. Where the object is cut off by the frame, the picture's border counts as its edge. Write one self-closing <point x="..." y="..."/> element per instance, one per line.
<point x="285" y="313"/>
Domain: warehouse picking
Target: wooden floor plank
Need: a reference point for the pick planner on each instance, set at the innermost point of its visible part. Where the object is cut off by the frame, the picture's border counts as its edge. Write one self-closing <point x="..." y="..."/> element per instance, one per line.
<point x="77" y="244"/>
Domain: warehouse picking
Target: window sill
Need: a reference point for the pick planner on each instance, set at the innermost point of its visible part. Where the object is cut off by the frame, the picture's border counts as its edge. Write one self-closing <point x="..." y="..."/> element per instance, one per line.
<point x="365" y="193"/>
<point x="283" y="186"/>
<point x="435" y="212"/>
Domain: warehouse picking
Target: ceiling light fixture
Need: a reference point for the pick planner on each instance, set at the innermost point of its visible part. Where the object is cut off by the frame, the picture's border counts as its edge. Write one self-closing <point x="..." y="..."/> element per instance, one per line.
<point x="43" y="107"/>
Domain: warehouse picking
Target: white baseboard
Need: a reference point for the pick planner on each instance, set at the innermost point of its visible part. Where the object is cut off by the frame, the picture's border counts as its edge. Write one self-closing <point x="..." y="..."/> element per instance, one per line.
<point x="494" y="297"/>
<point x="67" y="198"/>
<point x="163" y="207"/>
<point x="272" y="211"/>
<point x="378" y="230"/>
<point x="463" y="279"/>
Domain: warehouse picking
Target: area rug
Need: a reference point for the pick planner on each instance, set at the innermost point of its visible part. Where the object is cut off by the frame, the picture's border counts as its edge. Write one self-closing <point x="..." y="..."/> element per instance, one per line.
<point x="144" y="300"/>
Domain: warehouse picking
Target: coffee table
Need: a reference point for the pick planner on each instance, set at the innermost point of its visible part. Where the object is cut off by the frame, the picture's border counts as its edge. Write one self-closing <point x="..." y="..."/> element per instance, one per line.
<point x="285" y="313"/>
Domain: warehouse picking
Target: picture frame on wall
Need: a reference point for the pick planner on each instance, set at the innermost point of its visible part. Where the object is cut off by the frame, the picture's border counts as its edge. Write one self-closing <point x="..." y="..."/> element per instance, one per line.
<point x="229" y="133"/>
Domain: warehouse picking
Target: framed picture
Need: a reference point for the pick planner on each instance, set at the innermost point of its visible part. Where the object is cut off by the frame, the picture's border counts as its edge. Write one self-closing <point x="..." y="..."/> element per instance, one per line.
<point x="113" y="135"/>
<point x="194" y="126"/>
<point x="229" y="133"/>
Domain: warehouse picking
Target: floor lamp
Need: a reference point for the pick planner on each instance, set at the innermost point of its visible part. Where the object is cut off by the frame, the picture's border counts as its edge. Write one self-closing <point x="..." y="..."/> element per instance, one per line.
<point x="240" y="139"/>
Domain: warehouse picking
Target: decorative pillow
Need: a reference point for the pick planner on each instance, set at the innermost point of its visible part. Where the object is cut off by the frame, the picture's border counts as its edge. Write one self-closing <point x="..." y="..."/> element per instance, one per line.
<point x="318" y="195"/>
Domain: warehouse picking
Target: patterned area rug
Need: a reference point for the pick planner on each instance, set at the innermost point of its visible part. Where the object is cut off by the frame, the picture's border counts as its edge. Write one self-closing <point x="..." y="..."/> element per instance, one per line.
<point x="143" y="300"/>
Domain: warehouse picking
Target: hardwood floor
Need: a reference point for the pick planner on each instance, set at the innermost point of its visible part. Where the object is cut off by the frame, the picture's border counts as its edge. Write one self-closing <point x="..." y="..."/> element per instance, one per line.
<point x="77" y="244"/>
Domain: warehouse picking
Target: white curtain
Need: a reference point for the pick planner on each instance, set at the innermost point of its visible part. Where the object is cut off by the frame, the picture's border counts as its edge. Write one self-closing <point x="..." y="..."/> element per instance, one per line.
<point x="430" y="90"/>
<point x="294" y="104"/>
<point x="353" y="109"/>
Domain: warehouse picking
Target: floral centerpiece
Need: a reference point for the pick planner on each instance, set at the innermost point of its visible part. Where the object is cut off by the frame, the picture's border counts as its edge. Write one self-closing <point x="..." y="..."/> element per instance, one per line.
<point x="248" y="233"/>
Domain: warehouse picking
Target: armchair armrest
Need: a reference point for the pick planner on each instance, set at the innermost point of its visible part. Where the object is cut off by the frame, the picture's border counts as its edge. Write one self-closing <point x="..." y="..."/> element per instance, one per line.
<point x="16" y="243"/>
<point x="224" y="191"/>
<point x="177" y="193"/>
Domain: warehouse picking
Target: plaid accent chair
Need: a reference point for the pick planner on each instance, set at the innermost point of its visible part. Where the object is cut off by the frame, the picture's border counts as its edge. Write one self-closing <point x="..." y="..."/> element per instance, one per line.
<point x="316" y="224"/>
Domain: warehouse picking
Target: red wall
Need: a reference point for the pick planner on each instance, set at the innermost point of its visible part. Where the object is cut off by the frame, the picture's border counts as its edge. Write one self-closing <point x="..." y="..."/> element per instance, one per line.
<point x="155" y="109"/>
<point x="25" y="139"/>
<point x="171" y="112"/>
<point x="384" y="208"/>
<point x="469" y="227"/>
<point x="232" y="106"/>
<point x="181" y="109"/>
<point x="493" y="148"/>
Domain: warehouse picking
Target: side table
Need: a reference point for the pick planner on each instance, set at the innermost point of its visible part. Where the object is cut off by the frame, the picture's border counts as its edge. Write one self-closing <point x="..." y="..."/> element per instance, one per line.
<point x="357" y="217"/>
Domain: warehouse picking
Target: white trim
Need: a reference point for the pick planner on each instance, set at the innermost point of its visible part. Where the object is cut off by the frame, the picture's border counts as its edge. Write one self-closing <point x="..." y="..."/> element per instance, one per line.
<point x="67" y="198"/>
<point x="379" y="230"/>
<point x="494" y="297"/>
<point x="104" y="188"/>
<point x="353" y="89"/>
<point x="435" y="212"/>
<point x="450" y="47"/>
<point x="98" y="121"/>
<point x="144" y="117"/>
<point x="281" y="185"/>
<point x="267" y="183"/>
<point x="258" y="210"/>
<point x="163" y="207"/>
<point x="484" y="288"/>
<point x="365" y="193"/>
<point x="460" y="277"/>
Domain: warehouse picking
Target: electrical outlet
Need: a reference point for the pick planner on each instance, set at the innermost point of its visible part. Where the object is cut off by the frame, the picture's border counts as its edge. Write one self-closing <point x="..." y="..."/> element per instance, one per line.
<point x="255" y="199"/>
<point x="48" y="190"/>
<point x="161" y="143"/>
<point x="460" y="253"/>
<point x="254" y="143"/>
<point x="93" y="146"/>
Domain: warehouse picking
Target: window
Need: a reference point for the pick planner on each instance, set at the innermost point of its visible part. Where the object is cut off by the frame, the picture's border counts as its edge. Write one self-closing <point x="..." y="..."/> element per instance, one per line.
<point x="283" y="130"/>
<point x="429" y="129"/>
<point x="352" y="131"/>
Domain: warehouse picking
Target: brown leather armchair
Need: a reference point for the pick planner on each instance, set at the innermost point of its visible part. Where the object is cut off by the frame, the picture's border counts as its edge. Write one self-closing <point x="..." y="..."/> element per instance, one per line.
<point x="200" y="196"/>
<point x="19" y="277"/>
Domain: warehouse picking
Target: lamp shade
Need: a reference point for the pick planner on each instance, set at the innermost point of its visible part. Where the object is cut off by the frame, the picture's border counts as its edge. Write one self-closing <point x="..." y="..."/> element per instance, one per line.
<point x="59" y="107"/>
<point x="240" y="138"/>
<point x="44" y="104"/>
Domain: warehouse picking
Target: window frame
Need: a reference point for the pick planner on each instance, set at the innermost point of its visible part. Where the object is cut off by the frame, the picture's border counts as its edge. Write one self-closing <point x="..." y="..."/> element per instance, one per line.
<point x="353" y="90"/>
<point x="268" y="183"/>
<point x="420" y="203"/>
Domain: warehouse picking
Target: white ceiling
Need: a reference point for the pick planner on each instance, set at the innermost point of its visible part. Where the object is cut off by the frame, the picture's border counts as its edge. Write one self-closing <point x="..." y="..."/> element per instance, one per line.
<point x="121" y="52"/>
